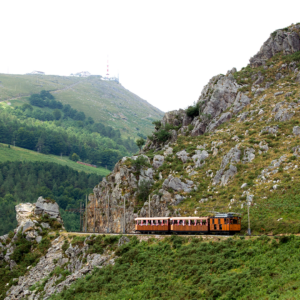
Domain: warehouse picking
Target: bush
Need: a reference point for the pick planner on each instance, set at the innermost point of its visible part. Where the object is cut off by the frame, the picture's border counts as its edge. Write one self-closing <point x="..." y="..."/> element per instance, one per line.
<point x="162" y="135"/>
<point x="193" y="111"/>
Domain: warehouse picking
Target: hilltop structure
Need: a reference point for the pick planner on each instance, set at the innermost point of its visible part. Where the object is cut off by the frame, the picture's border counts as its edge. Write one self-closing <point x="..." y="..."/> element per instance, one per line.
<point x="37" y="73"/>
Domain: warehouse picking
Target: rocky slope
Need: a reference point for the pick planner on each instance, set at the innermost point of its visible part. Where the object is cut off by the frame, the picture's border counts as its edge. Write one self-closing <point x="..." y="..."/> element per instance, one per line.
<point x="39" y="259"/>
<point x="237" y="145"/>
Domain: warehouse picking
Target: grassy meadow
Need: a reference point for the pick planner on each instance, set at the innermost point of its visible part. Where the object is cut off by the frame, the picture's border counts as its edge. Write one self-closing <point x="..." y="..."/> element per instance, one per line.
<point x="21" y="154"/>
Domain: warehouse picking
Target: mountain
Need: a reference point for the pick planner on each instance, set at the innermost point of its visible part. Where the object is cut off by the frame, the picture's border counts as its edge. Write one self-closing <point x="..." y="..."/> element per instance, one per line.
<point x="238" y="145"/>
<point x="107" y="102"/>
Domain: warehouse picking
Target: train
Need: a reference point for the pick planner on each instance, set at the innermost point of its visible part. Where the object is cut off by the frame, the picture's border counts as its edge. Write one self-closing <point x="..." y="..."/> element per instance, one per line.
<point x="227" y="224"/>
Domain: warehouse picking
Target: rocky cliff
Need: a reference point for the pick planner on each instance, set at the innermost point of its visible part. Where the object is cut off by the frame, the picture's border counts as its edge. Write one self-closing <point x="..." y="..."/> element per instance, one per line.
<point x="39" y="259"/>
<point x="238" y="144"/>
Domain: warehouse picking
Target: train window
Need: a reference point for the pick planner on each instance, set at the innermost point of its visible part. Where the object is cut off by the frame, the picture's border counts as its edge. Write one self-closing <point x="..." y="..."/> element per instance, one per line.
<point x="175" y="222"/>
<point x="204" y="222"/>
<point x="215" y="227"/>
<point x="180" y="222"/>
<point x="213" y="221"/>
<point x="149" y="222"/>
<point x="144" y="222"/>
<point x="219" y="221"/>
<point x="235" y="221"/>
<point x="192" y="222"/>
<point x="220" y="226"/>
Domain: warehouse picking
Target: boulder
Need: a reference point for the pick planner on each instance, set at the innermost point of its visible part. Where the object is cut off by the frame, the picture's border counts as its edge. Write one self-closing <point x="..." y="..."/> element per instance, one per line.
<point x="183" y="156"/>
<point x="158" y="160"/>
<point x="296" y="130"/>
<point x="44" y="206"/>
<point x="200" y="157"/>
<point x="23" y="212"/>
<point x="248" y="155"/>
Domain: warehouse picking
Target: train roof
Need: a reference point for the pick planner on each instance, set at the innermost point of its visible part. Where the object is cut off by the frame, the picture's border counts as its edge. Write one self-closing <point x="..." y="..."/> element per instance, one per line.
<point x="189" y="218"/>
<point x="157" y="218"/>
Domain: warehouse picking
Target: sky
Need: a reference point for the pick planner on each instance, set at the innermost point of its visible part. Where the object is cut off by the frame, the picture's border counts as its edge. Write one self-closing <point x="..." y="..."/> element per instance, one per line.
<point x="163" y="51"/>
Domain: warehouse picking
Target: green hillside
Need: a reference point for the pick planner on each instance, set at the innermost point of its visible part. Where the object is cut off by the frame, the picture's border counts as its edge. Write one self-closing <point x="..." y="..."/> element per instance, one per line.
<point x="105" y="101"/>
<point x="21" y="154"/>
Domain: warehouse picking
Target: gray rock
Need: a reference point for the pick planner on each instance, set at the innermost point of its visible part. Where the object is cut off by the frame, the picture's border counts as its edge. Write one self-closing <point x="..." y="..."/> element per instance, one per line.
<point x="45" y="225"/>
<point x="178" y="199"/>
<point x="200" y="157"/>
<point x="123" y="240"/>
<point x="228" y="174"/>
<point x="296" y="130"/>
<point x="268" y="84"/>
<point x="243" y="116"/>
<point x="289" y="94"/>
<point x="44" y="206"/>
<point x="283" y="115"/>
<point x="183" y="156"/>
<point x="38" y="239"/>
<point x="259" y="80"/>
<point x="286" y="41"/>
<point x="244" y="185"/>
<point x="259" y="91"/>
<point x="298" y="77"/>
<point x="232" y="157"/>
<point x="168" y="151"/>
<point x="278" y="93"/>
<point x="270" y="129"/>
<point x="248" y="155"/>
<point x="29" y="225"/>
<point x="158" y="160"/>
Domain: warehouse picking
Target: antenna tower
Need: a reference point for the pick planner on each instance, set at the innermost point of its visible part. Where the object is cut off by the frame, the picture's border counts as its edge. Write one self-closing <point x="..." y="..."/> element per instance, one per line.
<point x="107" y="72"/>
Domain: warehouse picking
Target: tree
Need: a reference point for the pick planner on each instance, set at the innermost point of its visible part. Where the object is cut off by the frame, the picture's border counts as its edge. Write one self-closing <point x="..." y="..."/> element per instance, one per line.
<point x="140" y="143"/>
<point x="57" y="114"/>
<point x="74" y="157"/>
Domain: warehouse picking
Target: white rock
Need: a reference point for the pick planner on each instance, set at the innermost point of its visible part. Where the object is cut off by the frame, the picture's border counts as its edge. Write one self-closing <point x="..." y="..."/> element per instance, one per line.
<point x="243" y="185"/>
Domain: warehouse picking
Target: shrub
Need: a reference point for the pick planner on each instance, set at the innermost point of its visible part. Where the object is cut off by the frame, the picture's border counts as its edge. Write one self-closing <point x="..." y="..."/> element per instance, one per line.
<point x="193" y="111"/>
<point x="162" y="135"/>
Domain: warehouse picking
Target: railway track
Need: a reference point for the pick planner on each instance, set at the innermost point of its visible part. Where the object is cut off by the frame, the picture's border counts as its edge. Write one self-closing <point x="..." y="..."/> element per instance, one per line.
<point x="165" y="235"/>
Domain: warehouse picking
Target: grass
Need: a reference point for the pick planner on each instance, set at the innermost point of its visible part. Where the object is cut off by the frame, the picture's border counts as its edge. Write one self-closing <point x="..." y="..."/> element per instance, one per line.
<point x="105" y="101"/>
<point x="190" y="268"/>
<point x="21" y="154"/>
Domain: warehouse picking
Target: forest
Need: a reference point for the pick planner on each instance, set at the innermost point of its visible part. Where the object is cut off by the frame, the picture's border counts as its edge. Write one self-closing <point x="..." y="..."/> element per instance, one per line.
<point x="65" y="131"/>
<point x="22" y="182"/>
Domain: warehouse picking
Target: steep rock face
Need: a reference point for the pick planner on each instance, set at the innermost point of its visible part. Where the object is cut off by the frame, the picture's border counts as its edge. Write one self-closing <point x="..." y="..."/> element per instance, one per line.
<point x="220" y="94"/>
<point x="219" y="101"/>
<point x="106" y="205"/>
<point x="287" y="40"/>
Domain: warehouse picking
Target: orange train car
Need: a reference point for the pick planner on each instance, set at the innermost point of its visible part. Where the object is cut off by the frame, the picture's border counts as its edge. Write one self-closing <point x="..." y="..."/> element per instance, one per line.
<point x="190" y="224"/>
<point x="148" y="225"/>
<point x="227" y="223"/>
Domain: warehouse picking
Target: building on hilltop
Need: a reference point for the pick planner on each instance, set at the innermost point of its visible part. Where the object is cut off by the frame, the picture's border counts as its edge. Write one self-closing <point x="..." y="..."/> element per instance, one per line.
<point x="82" y="74"/>
<point x="37" y="73"/>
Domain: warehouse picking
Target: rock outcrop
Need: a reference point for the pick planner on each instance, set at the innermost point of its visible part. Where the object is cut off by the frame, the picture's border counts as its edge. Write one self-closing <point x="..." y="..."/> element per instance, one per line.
<point x="286" y="40"/>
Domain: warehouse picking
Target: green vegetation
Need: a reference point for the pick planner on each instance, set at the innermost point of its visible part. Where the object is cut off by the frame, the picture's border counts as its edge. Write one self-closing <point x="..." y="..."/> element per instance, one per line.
<point x="106" y="102"/>
<point x="190" y="268"/>
<point x="140" y="143"/>
<point x="62" y="132"/>
<point x="26" y="181"/>
<point x="11" y="153"/>
<point x="193" y="111"/>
